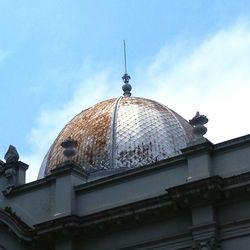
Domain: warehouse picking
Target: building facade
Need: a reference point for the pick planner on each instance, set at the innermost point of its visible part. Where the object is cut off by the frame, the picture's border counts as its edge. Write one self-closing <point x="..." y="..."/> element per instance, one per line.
<point x="129" y="173"/>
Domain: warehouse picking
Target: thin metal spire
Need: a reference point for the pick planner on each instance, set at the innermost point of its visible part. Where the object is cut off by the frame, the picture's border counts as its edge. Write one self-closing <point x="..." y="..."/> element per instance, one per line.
<point x="126" y="86"/>
<point x="125" y="56"/>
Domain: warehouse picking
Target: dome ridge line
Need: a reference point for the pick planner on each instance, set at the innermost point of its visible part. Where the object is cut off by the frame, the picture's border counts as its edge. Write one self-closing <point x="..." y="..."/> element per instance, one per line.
<point x="119" y="134"/>
<point x="113" y="133"/>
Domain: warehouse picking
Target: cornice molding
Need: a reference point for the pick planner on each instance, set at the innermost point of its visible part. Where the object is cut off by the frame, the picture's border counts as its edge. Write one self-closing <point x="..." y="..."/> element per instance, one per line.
<point x="14" y="224"/>
<point x="212" y="190"/>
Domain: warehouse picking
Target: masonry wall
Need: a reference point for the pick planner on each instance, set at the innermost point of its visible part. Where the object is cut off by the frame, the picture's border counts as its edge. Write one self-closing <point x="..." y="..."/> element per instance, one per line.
<point x="209" y="204"/>
<point x="9" y="241"/>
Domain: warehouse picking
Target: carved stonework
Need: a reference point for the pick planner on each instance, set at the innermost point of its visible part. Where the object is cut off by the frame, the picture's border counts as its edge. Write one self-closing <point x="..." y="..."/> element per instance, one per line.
<point x="210" y="244"/>
<point x="196" y="192"/>
<point x="13" y="170"/>
<point x="10" y="175"/>
<point x="198" y="122"/>
<point x="11" y="155"/>
<point x="69" y="147"/>
<point x="2" y="167"/>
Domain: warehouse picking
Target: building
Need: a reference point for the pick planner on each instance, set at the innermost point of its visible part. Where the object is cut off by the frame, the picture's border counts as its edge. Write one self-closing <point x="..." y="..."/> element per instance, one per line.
<point x="129" y="173"/>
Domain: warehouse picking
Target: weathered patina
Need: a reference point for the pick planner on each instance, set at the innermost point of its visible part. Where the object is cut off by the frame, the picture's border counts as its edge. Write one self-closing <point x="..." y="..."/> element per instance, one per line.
<point x="120" y="134"/>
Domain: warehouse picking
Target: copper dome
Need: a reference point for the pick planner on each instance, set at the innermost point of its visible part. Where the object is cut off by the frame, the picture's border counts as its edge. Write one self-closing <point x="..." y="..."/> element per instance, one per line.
<point x="120" y="134"/>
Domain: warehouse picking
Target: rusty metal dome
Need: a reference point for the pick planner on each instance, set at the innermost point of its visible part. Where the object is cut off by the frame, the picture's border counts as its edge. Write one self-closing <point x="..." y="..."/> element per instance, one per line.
<point x="121" y="134"/>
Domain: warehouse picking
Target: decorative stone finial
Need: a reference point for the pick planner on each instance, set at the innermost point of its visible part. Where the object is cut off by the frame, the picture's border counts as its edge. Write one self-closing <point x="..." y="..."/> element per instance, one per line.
<point x="69" y="146"/>
<point x="11" y="155"/>
<point x="13" y="170"/>
<point x="198" y="122"/>
<point x="126" y="87"/>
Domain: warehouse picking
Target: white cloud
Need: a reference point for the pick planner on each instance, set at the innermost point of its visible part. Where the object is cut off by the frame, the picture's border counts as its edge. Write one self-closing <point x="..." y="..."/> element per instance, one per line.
<point x="89" y="91"/>
<point x="212" y="77"/>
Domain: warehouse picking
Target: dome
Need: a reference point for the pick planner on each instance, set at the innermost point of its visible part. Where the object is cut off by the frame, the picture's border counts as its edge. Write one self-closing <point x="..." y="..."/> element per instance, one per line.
<point x="121" y="134"/>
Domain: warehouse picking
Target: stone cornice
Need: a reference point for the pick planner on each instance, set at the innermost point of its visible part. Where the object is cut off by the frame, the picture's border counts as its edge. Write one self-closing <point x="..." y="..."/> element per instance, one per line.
<point x="64" y="169"/>
<point x="15" y="225"/>
<point x="68" y="167"/>
<point x="206" y="146"/>
<point x="196" y="193"/>
<point x="114" y="217"/>
<point x="236" y="142"/>
<point x="235" y="229"/>
<point x="133" y="173"/>
<point x="212" y="190"/>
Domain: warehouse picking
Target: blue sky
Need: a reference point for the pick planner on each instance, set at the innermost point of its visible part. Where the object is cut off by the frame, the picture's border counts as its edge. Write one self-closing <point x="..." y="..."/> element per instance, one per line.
<point x="59" y="57"/>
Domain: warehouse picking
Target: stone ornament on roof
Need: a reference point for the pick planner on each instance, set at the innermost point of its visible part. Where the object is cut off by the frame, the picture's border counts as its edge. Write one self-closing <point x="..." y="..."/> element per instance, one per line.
<point x="126" y="87"/>
<point x="11" y="155"/>
<point x="198" y="122"/>
<point x="13" y="170"/>
<point x="69" y="147"/>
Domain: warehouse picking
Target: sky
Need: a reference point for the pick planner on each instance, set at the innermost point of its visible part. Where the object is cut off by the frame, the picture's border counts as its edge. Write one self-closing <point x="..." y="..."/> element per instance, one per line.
<point x="59" y="57"/>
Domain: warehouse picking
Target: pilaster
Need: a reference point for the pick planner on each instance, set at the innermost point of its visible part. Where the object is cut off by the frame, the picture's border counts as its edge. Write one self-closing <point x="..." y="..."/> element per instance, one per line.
<point x="199" y="160"/>
<point x="68" y="175"/>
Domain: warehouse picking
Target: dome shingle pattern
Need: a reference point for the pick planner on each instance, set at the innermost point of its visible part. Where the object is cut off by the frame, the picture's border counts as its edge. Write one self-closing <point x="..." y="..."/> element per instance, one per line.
<point x="120" y="134"/>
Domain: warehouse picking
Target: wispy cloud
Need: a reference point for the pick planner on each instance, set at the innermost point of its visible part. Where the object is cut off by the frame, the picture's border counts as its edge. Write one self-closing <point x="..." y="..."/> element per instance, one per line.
<point x="212" y="77"/>
<point x="90" y="90"/>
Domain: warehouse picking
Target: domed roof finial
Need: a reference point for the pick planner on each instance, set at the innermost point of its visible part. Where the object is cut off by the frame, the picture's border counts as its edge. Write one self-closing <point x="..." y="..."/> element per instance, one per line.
<point x="11" y="155"/>
<point x="69" y="147"/>
<point x="198" y="122"/>
<point x="126" y="87"/>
